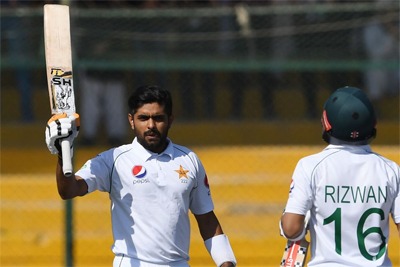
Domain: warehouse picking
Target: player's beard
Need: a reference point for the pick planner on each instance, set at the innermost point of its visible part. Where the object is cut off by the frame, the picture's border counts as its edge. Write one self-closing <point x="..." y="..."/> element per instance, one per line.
<point x="153" y="140"/>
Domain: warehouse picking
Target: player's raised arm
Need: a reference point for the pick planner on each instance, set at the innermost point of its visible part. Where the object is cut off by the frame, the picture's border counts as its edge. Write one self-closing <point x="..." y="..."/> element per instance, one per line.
<point x="62" y="127"/>
<point x="69" y="187"/>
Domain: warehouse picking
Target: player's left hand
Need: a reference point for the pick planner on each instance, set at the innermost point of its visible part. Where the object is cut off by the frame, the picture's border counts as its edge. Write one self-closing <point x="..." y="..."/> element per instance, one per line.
<point x="61" y="126"/>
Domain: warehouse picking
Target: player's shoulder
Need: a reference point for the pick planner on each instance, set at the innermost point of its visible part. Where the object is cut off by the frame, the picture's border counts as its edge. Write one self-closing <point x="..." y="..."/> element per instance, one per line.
<point x="388" y="162"/>
<point x="116" y="151"/>
<point x="339" y="151"/>
<point x="186" y="155"/>
<point x="123" y="148"/>
<point x="384" y="158"/>
<point x="318" y="156"/>
<point x="180" y="149"/>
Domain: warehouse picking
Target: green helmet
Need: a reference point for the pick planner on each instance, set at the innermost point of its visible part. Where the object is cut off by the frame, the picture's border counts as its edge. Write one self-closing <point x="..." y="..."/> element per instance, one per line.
<point x="348" y="117"/>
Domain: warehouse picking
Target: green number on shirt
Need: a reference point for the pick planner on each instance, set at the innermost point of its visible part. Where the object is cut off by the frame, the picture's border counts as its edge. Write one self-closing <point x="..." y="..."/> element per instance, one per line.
<point x="337" y="218"/>
<point x="361" y="235"/>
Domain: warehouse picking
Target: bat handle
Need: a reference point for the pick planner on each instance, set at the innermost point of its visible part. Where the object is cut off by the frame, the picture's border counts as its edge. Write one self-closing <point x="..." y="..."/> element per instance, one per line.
<point x="66" y="157"/>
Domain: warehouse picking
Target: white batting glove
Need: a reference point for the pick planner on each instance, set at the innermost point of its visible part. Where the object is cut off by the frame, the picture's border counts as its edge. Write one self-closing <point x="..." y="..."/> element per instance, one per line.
<point x="61" y="126"/>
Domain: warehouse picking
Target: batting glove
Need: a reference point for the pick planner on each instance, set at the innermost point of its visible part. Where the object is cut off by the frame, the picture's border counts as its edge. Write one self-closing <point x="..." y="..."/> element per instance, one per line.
<point x="61" y="126"/>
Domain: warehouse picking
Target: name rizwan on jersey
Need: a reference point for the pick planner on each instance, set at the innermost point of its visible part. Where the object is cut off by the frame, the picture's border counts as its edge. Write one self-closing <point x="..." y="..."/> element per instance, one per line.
<point x="355" y="194"/>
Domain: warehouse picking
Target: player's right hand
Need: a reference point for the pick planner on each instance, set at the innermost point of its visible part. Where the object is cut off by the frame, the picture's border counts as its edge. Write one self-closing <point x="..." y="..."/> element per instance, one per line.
<point x="61" y="126"/>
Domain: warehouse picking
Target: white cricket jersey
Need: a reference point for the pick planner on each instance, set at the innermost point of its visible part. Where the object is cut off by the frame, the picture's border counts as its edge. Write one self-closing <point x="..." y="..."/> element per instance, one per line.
<point x="351" y="193"/>
<point x="151" y="195"/>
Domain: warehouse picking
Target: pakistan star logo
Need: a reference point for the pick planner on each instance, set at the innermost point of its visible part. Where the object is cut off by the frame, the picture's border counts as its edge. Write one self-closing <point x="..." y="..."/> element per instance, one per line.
<point x="182" y="172"/>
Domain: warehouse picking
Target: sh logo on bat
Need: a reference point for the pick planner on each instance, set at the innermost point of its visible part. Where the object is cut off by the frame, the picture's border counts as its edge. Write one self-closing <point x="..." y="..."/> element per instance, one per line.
<point x="62" y="86"/>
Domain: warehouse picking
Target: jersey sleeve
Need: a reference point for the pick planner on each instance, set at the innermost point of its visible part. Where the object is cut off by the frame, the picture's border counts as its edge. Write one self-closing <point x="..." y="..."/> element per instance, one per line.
<point x="200" y="197"/>
<point x="396" y="203"/>
<point x="96" y="173"/>
<point x="300" y="194"/>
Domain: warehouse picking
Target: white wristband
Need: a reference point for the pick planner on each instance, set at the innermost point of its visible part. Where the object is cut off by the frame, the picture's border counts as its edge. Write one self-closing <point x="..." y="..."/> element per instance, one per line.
<point x="220" y="249"/>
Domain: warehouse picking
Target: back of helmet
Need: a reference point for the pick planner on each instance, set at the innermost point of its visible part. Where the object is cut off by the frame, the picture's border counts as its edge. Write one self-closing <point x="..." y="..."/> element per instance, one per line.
<point x="348" y="118"/>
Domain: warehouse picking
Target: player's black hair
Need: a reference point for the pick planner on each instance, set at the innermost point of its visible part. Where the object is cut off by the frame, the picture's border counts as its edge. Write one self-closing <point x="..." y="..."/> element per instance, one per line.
<point x="150" y="94"/>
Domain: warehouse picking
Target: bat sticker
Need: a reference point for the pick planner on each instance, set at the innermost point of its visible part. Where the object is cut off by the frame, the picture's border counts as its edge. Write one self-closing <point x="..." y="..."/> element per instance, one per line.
<point x="63" y="92"/>
<point x="295" y="254"/>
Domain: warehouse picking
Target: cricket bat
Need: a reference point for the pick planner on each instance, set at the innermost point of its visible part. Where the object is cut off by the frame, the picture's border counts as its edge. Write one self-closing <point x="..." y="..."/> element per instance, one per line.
<point x="295" y="253"/>
<point x="57" y="40"/>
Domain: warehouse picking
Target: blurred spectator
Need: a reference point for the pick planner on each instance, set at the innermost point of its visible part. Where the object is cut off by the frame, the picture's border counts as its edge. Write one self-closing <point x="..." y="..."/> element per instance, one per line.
<point x="143" y="47"/>
<point x="242" y="47"/>
<point x="188" y="86"/>
<point x="323" y="46"/>
<point x="102" y="87"/>
<point x="237" y="85"/>
<point x="281" y="48"/>
<point x="226" y="49"/>
<point x="381" y="41"/>
<point x="310" y="87"/>
<point x="15" y="30"/>
<point x="188" y="77"/>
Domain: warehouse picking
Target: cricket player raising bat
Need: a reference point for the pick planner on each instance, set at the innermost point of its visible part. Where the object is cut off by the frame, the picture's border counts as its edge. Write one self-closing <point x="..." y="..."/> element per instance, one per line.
<point x="152" y="184"/>
<point x="350" y="191"/>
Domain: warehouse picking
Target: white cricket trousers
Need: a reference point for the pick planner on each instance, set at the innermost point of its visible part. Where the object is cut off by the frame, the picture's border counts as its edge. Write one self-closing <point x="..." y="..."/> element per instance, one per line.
<point x="103" y="103"/>
<point x="125" y="261"/>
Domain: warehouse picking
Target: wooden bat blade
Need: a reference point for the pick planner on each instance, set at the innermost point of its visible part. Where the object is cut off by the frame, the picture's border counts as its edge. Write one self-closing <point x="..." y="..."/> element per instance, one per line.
<point x="59" y="58"/>
<point x="57" y="38"/>
<point x="295" y="253"/>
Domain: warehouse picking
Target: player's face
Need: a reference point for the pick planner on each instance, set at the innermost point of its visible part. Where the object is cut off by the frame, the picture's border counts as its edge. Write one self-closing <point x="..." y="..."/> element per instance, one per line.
<point x="150" y="124"/>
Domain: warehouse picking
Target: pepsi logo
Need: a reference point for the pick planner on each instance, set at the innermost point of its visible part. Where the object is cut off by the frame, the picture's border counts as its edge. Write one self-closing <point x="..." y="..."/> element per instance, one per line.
<point x="139" y="171"/>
